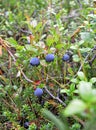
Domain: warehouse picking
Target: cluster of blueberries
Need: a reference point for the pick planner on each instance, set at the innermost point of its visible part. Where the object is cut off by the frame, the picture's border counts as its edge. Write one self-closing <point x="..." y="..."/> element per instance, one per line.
<point x="49" y="58"/>
<point x="35" y="62"/>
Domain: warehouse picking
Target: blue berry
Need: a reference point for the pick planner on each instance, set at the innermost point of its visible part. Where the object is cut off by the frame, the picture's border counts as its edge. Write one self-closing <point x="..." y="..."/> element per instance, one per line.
<point x="66" y="57"/>
<point x="26" y="125"/>
<point x="49" y="57"/>
<point x="38" y="92"/>
<point x="34" y="61"/>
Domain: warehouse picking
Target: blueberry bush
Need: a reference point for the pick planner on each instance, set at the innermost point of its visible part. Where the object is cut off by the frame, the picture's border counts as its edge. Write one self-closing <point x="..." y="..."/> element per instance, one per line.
<point x="47" y="64"/>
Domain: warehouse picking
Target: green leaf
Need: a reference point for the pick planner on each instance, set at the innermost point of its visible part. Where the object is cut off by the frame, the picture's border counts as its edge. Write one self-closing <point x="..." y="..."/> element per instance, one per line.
<point x="81" y="75"/>
<point x="86" y="36"/>
<point x="50" y="40"/>
<point x="12" y="41"/>
<point x="76" y="106"/>
<point x="14" y="44"/>
<point x="38" y="27"/>
<point x="64" y="91"/>
<point x="75" y="47"/>
<point x="75" y="80"/>
<point x="93" y="80"/>
<point x="59" y="46"/>
<point x="85" y="90"/>
<point x="83" y="49"/>
<point x="94" y="95"/>
<point x="60" y="125"/>
<point x="76" y="58"/>
<point x="30" y="48"/>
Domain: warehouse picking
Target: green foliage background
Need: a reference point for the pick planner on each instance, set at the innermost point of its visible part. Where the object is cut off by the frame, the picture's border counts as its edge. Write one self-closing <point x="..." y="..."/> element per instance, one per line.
<point x="34" y="28"/>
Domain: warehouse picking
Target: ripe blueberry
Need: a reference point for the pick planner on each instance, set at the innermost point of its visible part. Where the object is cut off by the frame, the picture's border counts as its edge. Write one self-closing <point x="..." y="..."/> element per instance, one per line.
<point x="66" y="57"/>
<point x="38" y="92"/>
<point x="49" y="57"/>
<point x="34" y="61"/>
<point x="26" y="125"/>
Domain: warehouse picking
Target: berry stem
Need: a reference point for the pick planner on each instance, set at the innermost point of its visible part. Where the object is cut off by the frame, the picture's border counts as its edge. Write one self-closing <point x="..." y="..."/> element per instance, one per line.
<point x="82" y="63"/>
<point x="64" y="72"/>
<point x="47" y="75"/>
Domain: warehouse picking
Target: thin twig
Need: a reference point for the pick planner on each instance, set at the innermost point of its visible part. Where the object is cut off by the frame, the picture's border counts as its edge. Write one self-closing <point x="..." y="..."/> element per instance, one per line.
<point x="25" y="31"/>
<point x="79" y="2"/>
<point x="79" y="120"/>
<point x="92" y="60"/>
<point x="86" y="58"/>
<point x="56" y="98"/>
<point x="27" y="79"/>
<point x="21" y="70"/>
<point x="10" y="53"/>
